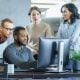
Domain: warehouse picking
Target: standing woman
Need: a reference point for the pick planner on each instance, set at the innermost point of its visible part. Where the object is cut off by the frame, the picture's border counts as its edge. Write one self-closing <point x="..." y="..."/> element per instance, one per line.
<point x="36" y="29"/>
<point x="70" y="21"/>
<point x="70" y="26"/>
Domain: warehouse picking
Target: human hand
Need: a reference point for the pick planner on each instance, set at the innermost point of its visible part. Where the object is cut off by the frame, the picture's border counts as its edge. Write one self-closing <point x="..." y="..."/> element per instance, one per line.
<point x="34" y="51"/>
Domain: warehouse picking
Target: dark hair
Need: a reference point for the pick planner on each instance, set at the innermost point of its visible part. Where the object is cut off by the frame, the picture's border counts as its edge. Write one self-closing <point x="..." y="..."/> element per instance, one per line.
<point x="34" y="8"/>
<point x="73" y="9"/>
<point x="17" y="29"/>
<point x="6" y="20"/>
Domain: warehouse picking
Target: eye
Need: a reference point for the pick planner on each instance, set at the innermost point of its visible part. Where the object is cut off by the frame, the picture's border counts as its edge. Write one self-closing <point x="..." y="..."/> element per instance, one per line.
<point x="38" y="14"/>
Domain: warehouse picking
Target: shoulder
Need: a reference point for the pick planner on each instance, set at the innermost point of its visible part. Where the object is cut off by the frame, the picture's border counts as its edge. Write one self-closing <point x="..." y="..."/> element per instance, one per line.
<point x="45" y="25"/>
<point x="77" y="23"/>
<point x="77" y="20"/>
<point x="29" y="25"/>
<point x="10" y="47"/>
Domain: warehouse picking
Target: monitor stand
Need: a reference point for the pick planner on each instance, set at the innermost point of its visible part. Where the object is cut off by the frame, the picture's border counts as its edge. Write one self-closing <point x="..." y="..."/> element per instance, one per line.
<point x="61" y="53"/>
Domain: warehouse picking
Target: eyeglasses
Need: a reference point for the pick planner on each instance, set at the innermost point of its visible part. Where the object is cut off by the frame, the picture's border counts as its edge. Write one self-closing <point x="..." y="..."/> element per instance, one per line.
<point x="8" y="29"/>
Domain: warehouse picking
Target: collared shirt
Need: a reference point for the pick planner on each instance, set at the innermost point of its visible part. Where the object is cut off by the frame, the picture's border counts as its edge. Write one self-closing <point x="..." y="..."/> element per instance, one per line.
<point x="71" y="32"/>
<point x="68" y="30"/>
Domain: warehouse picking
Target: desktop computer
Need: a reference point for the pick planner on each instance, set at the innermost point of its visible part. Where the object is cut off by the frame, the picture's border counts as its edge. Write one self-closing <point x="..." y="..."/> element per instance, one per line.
<point x="49" y="48"/>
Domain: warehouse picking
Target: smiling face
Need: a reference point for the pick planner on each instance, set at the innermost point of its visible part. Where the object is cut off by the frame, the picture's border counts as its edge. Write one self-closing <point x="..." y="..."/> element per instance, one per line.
<point x="66" y="14"/>
<point x="22" y="37"/>
<point x="35" y="16"/>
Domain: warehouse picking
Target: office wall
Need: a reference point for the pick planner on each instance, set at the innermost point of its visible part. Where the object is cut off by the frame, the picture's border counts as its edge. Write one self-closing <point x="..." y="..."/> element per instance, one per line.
<point x="54" y="23"/>
<point x="16" y="10"/>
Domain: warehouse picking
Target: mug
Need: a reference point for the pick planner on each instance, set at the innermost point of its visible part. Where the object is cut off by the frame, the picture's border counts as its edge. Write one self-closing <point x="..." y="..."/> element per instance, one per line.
<point x="10" y="68"/>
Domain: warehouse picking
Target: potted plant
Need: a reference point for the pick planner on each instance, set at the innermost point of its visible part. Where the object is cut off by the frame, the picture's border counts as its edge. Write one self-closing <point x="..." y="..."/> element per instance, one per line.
<point x="76" y="60"/>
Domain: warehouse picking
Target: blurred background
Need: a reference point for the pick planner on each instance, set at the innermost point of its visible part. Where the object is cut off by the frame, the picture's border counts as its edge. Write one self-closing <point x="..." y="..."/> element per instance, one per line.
<point x="17" y="10"/>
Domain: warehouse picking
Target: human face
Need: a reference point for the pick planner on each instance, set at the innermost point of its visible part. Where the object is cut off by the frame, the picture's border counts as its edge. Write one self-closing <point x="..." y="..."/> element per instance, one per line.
<point x="35" y="16"/>
<point x="66" y="14"/>
<point x="22" y="37"/>
<point x="7" y="29"/>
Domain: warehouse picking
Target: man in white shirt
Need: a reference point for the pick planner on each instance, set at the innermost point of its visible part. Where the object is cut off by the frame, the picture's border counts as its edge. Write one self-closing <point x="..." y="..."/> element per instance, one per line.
<point x="6" y="28"/>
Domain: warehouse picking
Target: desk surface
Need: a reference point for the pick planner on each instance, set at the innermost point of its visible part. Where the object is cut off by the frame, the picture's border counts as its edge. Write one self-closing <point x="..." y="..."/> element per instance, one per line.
<point x="39" y="75"/>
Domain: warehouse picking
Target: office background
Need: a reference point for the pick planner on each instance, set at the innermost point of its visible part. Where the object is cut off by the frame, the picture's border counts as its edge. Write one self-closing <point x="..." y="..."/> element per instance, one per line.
<point x="16" y="10"/>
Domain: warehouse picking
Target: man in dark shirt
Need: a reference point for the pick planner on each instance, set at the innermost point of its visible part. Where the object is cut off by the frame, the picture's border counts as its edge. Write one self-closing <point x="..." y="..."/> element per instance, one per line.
<point x="17" y="53"/>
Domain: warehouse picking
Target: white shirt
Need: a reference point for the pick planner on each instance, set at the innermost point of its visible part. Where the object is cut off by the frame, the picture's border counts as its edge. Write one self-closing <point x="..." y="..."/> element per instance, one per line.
<point x="2" y="47"/>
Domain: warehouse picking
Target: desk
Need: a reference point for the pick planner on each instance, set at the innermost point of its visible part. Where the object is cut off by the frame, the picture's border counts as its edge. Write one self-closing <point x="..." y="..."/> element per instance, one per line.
<point x="42" y="75"/>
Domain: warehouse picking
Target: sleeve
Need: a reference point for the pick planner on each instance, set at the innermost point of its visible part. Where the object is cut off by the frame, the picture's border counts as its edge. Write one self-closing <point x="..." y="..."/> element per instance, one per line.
<point x="10" y="56"/>
<point x="31" y="58"/>
<point x="59" y="33"/>
<point x="27" y="28"/>
<point x="75" y="40"/>
<point x="48" y="31"/>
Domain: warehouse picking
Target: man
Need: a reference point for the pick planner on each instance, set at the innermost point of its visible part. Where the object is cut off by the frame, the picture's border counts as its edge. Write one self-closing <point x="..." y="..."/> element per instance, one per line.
<point x="17" y="53"/>
<point x="5" y="29"/>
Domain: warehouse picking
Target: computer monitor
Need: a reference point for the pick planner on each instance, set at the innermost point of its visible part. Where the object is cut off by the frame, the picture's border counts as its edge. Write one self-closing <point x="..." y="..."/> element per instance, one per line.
<point x="48" y="48"/>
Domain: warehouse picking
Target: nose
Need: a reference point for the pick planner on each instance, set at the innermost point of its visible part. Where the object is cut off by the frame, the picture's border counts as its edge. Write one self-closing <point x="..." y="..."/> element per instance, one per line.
<point x="35" y="16"/>
<point x="10" y="31"/>
<point x="25" y="38"/>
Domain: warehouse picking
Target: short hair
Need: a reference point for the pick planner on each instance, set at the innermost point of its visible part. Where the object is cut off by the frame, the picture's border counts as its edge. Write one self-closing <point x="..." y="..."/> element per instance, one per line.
<point x="73" y="9"/>
<point x="34" y="8"/>
<point x="17" y="29"/>
<point x="5" y="20"/>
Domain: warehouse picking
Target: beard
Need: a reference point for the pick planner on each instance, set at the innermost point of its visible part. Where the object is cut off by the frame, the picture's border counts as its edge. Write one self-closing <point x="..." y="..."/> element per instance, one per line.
<point x="18" y="42"/>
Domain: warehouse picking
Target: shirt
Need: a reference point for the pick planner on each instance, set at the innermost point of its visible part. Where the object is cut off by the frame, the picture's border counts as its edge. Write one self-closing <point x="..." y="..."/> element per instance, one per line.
<point x="68" y="30"/>
<point x="16" y="57"/>
<point x="36" y="31"/>
<point x="2" y="38"/>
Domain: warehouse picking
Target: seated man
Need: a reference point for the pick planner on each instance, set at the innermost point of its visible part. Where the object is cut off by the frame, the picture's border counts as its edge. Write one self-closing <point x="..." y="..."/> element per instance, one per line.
<point x="17" y="53"/>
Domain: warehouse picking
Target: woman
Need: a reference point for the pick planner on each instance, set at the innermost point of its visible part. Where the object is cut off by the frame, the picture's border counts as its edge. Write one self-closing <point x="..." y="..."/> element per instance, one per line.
<point x="70" y="22"/>
<point x="70" y="27"/>
<point x="37" y="29"/>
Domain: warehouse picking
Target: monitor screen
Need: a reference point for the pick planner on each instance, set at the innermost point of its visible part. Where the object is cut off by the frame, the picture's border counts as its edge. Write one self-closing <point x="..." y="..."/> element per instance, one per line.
<point x="49" y="48"/>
